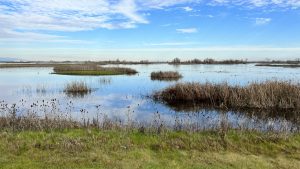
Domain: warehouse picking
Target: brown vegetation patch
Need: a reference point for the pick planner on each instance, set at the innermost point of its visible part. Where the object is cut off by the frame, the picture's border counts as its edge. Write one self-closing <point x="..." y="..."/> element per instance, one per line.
<point x="266" y="95"/>
<point x="77" y="88"/>
<point x="168" y="75"/>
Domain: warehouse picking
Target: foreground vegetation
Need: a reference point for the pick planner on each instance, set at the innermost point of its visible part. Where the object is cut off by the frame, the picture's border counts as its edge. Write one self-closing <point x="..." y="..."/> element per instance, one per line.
<point x="47" y="136"/>
<point x="167" y="75"/>
<point x="91" y="148"/>
<point x="92" y="69"/>
<point x="266" y="95"/>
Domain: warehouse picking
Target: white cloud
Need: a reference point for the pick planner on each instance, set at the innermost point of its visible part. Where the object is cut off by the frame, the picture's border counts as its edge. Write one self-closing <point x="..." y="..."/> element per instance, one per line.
<point x="294" y="4"/>
<point x="262" y="21"/>
<point x="30" y="18"/>
<point x="68" y="15"/>
<point x="159" y="4"/>
<point x="129" y="9"/>
<point x="23" y="18"/>
<point x="187" y="30"/>
<point x="77" y="15"/>
<point x="187" y="9"/>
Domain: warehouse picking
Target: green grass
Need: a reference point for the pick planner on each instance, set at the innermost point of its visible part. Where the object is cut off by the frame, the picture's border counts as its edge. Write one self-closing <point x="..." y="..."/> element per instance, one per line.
<point x="90" y="72"/>
<point x="28" y="65"/>
<point x="92" y="69"/>
<point x="82" y="148"/>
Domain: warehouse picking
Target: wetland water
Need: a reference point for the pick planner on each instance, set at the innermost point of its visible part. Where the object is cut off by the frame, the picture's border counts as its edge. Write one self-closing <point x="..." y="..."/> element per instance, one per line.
<point x="125" y="98"/>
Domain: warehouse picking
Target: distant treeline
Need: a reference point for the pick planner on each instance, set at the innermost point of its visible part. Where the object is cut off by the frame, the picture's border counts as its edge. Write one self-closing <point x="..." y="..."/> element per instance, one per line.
<point x="129" y="62"/>
<point x="296" y="61"/>
<point x="175" y="61"/>
<point x="207" y="61"/>
<point x="279" y="63"/>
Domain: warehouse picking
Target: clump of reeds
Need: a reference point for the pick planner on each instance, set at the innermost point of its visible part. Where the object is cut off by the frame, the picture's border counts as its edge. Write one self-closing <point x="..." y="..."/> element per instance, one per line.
<point x="77" y="88"/>
<point x="91" y="69"/>
<point x="41" y="89"/>
<point x="168" y="75"/>
<point x="74" y="67"/>
<point x="51" y="115"/>
<point x="265" y="95"/>
<point x="105" y="81"/>
<point x="120" y="70"/>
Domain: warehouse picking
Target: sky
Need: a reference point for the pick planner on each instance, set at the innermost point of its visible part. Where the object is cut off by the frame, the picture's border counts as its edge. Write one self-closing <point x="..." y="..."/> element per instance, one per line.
<point x="149" y="29"/>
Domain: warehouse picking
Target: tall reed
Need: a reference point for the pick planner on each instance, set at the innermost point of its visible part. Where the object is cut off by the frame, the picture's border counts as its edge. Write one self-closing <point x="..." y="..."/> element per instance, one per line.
<point x="265" y="95"/>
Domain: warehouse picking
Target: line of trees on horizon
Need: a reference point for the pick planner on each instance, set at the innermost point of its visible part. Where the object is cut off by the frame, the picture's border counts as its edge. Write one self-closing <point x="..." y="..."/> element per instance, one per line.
<point x="208" y="61"/>
<point x="174" y="61"/>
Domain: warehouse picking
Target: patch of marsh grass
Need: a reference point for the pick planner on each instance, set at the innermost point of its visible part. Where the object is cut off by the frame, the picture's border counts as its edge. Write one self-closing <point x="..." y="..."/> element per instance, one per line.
<point x="77" y="88"/>
<point x="92" y="69"/>
<point x="265" y="95"/>
<point x="167" y="75"/>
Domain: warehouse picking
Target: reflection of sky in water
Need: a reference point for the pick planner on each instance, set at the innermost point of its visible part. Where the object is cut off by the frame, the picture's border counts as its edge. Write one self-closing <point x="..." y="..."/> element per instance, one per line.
<point x="119" y="95"/>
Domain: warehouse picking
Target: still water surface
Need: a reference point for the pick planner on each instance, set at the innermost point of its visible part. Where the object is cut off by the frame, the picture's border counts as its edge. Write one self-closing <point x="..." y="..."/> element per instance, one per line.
<point x="122" y="96"/>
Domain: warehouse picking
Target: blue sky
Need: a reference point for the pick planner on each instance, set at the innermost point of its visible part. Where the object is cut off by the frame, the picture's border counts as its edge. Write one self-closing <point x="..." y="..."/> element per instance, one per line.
<point x="152" y="30"/>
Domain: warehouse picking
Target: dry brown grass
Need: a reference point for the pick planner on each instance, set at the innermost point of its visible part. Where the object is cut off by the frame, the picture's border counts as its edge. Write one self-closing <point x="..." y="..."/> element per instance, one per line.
<point x="74" y="67"/>
<point x="168" y="75"/>
<point x="266" y="95"/>
<point x="77" y="88"/>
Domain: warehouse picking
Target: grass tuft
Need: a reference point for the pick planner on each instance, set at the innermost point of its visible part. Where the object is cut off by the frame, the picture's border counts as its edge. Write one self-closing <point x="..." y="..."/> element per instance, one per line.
<point x="77" y="88"/>
<point x="168" y="75"/>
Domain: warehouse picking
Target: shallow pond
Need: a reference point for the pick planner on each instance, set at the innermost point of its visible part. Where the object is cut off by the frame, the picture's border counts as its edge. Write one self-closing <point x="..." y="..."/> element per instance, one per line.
<point x="126" y="97"/>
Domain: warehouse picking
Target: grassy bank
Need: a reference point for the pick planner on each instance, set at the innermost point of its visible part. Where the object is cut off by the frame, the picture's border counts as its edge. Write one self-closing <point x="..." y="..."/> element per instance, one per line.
<point x="28" y="65"/>
<point x="92" y="69"/>
<point x="167" y="75"/>
<point x="90" y="148"/>
<point x="265" y="95"/>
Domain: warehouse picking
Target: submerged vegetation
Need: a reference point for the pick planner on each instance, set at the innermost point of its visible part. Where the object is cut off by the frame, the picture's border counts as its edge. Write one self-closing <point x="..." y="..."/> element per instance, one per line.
<point x="266" y="95"/>
<point x="92" y="69"/>
<point x="168" y="75"/>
